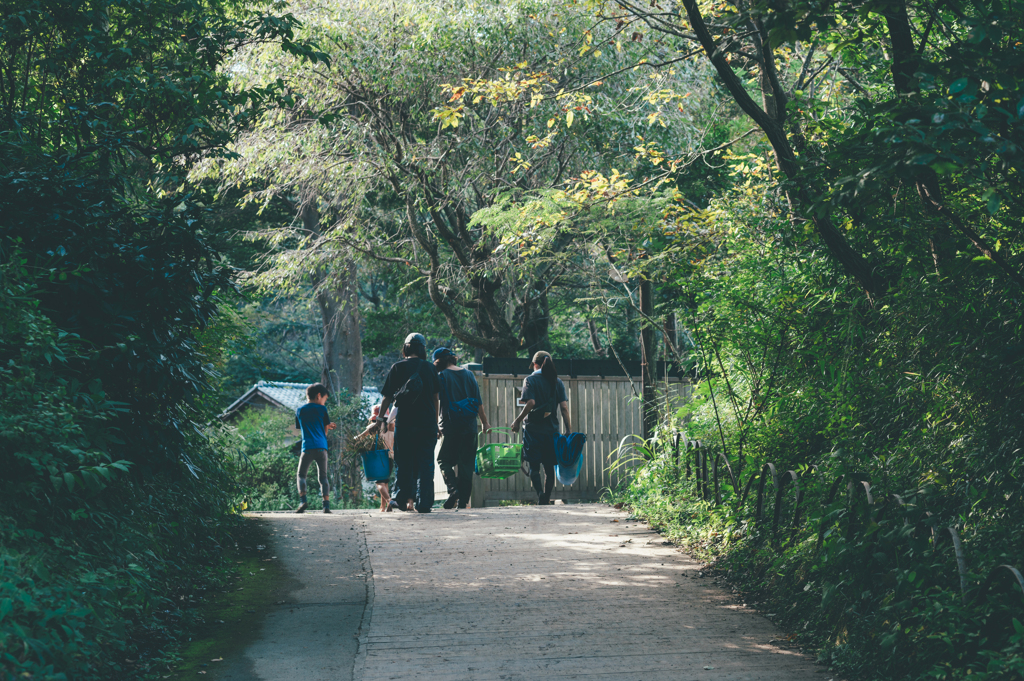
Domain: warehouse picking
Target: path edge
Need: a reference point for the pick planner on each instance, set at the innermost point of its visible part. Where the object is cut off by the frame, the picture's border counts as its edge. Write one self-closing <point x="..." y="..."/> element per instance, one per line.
<point x="359" y="663"/>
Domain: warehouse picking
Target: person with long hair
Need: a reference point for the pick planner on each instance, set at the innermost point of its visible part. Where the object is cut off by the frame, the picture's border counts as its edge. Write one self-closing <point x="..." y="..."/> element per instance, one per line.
<point x="544" y="397"/>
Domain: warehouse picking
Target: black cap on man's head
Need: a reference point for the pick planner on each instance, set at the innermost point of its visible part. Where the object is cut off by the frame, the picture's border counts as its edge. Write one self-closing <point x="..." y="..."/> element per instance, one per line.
<point x="416" y="339"/>
<point x="441" y="353"/>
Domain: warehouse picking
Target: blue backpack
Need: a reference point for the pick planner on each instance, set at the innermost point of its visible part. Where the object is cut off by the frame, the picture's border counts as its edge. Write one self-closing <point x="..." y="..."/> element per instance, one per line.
<point x="463" y="412"/>
<point x="569" y="457"/>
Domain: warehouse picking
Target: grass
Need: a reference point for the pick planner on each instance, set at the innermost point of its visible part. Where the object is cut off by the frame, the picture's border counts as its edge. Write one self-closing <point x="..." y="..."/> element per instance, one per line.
<point x="228" y="620"/>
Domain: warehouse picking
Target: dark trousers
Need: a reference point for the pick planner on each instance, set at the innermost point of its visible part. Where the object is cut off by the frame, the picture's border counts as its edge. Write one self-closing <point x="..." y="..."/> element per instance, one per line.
<point x="311" y="456"/>
<point x="539" y="450"/>
<point x="458" y="449"/>
<point x="549" y="481"/>
<point x="414" y="467"/>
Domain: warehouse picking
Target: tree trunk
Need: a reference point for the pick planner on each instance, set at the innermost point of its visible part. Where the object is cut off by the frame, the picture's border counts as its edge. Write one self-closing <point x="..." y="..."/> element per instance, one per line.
<point x="536" y="323"/>
<point x="595" y="340"/>
<point x="338" y="302"/>
<point x="647" y="354"/>
<point x="337" y="299"/>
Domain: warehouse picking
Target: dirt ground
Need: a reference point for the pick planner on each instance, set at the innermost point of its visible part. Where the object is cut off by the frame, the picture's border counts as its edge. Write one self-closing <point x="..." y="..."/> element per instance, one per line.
<point x="509" y="594"/>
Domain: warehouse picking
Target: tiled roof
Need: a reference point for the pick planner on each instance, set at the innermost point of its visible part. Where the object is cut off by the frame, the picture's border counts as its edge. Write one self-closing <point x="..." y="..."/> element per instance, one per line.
<point x="288" y="396"/>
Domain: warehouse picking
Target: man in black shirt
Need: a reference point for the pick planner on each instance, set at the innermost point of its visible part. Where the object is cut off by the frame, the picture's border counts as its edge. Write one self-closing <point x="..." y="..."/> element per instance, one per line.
<point x="412" y="385"/>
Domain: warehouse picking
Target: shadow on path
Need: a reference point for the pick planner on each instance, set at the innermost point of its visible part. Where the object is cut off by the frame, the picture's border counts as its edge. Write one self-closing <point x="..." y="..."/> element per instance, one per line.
<point x="311" y="634"/>
<point x="556" y="592"/>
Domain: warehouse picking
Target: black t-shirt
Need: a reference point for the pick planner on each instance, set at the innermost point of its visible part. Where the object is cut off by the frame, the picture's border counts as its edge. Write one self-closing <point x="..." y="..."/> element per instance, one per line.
<point x="544" y="415"/>
<point x="420" y="414"/>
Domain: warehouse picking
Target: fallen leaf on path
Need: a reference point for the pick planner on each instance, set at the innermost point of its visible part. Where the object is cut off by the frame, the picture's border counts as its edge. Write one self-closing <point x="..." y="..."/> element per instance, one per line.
<point x="709" y="667"/>
<point x="217" y="659"/>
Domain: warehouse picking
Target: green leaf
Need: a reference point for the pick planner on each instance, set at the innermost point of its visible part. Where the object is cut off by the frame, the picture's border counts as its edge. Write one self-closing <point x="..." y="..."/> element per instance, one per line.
<point x="958" y="86"/>
<point x="993" y="204"/>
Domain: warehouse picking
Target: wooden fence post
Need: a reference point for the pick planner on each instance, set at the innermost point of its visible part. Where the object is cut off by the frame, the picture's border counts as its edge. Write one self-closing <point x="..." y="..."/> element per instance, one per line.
<point x="718" y="493"/>
<point x="702" y="455"/>
<point x="675" y="442"/>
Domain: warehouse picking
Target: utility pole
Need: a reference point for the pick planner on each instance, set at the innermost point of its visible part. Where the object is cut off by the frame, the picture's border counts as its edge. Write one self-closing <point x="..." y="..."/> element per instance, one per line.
<point x="648" y="408"/>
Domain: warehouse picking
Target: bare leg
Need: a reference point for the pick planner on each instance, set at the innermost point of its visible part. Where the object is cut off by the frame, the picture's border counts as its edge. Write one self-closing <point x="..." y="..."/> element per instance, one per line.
<point x="385" y="496"/>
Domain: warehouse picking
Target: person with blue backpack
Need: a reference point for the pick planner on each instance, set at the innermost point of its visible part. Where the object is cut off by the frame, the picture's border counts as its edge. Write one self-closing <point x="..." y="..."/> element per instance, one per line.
<point x="543" y="397"/>
<point x="460" y="407"/>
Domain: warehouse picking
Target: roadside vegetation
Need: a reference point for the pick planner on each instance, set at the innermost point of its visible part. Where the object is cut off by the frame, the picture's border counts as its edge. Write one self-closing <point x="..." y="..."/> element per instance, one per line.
<point x="813" y="210"/>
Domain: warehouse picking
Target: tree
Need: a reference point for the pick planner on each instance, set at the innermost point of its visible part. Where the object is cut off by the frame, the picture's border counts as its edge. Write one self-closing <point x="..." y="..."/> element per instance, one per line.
<point x="106" y="281"/>
<point x="785" y="49"/>
<point x="399" y="172"/>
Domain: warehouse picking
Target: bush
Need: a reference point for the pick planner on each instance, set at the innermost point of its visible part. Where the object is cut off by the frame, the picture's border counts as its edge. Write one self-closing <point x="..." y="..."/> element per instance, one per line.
<point x="93" y="556"/>
<point x="916" y="398"/>
<point x="261" y="454"/>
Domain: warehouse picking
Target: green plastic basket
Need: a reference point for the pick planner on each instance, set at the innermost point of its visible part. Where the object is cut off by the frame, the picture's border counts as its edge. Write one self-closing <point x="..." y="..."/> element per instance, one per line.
<point x="499" y="460"/>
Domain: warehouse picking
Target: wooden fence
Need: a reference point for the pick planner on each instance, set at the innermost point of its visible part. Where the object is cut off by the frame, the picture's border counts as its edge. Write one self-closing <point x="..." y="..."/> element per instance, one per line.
<point x="604" y="409"/>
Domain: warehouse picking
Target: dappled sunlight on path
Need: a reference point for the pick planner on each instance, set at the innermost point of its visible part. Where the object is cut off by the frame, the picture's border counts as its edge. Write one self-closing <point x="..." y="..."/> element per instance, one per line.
<point x="557" y="592"/>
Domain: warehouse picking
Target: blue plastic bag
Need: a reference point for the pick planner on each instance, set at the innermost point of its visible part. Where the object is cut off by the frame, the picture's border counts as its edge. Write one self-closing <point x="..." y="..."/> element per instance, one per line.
<point x="376" y="463"/>
<point x="569" y="457"/>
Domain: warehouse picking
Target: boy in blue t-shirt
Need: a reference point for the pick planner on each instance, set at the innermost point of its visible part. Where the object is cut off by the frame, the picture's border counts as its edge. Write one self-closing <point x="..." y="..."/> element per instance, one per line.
<point x="312" y="419"/>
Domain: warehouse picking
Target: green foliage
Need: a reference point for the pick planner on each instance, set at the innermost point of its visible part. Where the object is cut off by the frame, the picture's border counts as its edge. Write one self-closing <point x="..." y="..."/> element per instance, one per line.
<point x="398" y="182"/>
<point x="259" y="453"/>
<point x="112" y="505"/>
<point x="99" y="84"/>
<point x="916" y="395"/>
<point x="90" y="567"/>
<point x="383" y="326"/>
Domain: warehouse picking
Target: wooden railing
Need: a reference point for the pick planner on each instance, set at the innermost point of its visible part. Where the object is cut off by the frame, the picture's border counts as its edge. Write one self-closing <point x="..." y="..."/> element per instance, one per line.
<point x="691" y="460"/>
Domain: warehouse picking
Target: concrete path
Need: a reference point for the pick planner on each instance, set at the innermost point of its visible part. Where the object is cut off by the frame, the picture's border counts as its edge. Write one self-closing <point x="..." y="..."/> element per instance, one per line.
<point x="312" y="633"/>
<point x="509" y="594"/>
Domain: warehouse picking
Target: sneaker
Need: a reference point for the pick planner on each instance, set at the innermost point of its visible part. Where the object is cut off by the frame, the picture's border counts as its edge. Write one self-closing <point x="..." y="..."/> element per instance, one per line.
<point x="327" y="507"/>
<point x="453" y="499"/>
<point x="544" y="500"/>
<point x="302" y="507"/>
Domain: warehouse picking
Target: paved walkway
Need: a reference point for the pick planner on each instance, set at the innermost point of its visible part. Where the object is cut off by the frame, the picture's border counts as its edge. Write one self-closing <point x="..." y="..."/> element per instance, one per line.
<point x="510" y="594"/>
